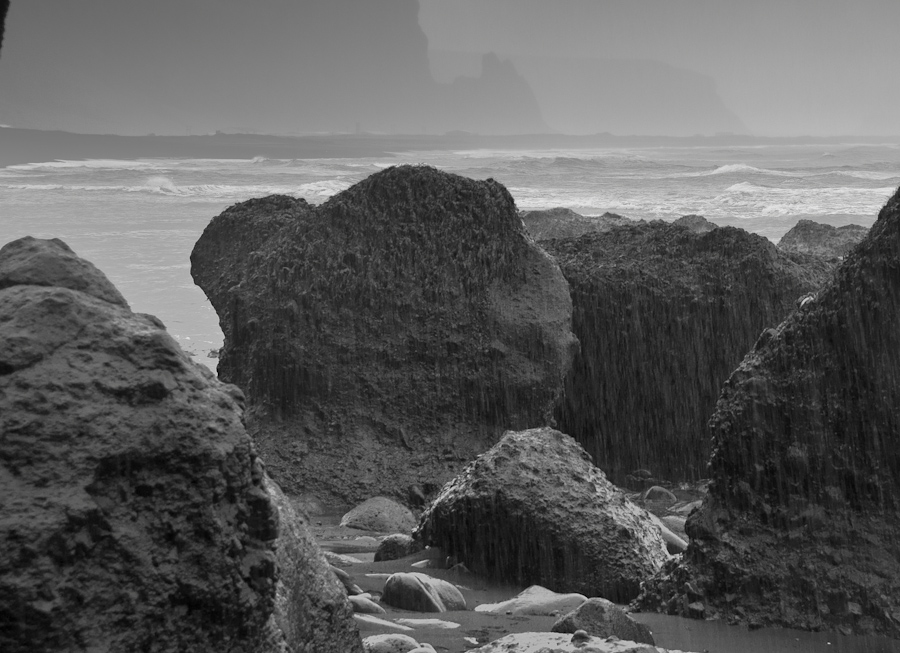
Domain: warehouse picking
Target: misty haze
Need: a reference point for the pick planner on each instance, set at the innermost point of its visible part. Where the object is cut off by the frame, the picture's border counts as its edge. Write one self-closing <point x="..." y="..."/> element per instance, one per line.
<point x="426" y="326"/>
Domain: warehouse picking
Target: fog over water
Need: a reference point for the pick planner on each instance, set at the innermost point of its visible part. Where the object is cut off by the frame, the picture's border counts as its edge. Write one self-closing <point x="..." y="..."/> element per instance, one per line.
<point x="505" y="66"/>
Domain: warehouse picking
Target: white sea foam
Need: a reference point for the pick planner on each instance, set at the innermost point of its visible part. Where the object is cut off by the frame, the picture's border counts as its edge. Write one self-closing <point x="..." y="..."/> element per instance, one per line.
<point x="97" y="164"/>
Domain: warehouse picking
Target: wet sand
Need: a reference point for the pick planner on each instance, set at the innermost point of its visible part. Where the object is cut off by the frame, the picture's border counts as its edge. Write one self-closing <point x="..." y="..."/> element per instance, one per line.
<point x="669" y="632"/>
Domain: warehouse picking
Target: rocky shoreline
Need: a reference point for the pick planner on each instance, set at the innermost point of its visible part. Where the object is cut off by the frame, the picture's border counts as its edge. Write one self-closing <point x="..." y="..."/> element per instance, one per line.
<point x="409" y="340"/>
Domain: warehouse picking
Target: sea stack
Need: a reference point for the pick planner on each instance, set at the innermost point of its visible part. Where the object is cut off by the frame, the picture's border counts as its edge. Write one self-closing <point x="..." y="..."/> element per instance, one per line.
<point x="388" y="335"/>
<point x="801" y="523"/>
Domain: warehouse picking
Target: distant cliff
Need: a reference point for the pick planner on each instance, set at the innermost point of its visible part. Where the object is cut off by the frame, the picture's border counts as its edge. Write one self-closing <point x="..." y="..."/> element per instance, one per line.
<point x="663" y="315"/>
<point x="808" y="237"/>
<point x="277" y="67"/>
<point x="561" y="222"/>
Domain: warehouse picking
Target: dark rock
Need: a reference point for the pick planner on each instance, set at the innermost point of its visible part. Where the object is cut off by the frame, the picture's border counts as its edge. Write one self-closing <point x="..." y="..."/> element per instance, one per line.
<point x="602" y="618"/>
<point x="312" y="609"/>
<point x="808" y="237"/>
<point x="136" y="514"/>
<point x="696" y="223"/>
<point x="397" y="546"/>
<point x="407" y="317"/>
<point x="664" y="315"/>
<point x="380" y="514"/>
<point x="803" y="512"/>
<point x="565" y="223"/>
<point x="534" y="510"/>
<point x="421" y="593"/>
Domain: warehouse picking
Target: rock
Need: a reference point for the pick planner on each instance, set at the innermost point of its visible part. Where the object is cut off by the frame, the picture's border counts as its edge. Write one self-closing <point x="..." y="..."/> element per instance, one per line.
<point x="380" y="514"/>
<point x="664" y="315"/>
<point x="338" y="560"/>
<point x="136" y="514"/>
<point x="396" y="546"/>
<point x="535" y="600"/>
<point x="657" y="493"/>
<point x="311" y="606"/>
<point x="534" y="510"/>
<point x="369" y="621"/>
<point x="803" y="510"/>
<point x="365" y="605"/>
<point x="696" y="223"/>
<point x="395" y="330"/>
<point x="389" y="643"/>
<point x="430" y="623"/>
<point x="421" y="593"/>
<point x="601" y="618"/>
<point x="824" y="240"/>
<point x="562" y="643"/>
<point x="346" y="581"/>
<point x="565" y="223"/>
<point x="674" y="542"/>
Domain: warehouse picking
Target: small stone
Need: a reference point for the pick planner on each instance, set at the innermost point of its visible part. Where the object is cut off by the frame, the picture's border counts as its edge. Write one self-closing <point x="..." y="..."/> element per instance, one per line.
<point x="580" y="636"/>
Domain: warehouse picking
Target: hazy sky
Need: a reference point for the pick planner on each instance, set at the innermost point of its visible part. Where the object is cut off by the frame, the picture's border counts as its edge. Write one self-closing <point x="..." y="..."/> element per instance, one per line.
<point x="773" y="67"/>
<point x="784" y="66"/>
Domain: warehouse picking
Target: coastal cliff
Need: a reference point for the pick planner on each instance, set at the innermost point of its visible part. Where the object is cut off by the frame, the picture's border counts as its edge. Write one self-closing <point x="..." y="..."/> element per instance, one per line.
<point x="388" y="335"/>
<point x="663" y="315"/>
<point x="808" y="237"/>
<point x="801" y="523"/>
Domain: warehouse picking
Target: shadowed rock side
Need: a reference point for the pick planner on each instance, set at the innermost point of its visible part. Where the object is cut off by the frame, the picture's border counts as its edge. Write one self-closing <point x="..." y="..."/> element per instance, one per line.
<point x="388" y="334"/>
<point x="808" y="237"/>
<point x="664" y="315"/>
<point x="561" y="222"/>
<point x="534" y="510"/>
<point x="134" y="514"/>
<point x="695" y="223"/>
<point x="802" y="520"/>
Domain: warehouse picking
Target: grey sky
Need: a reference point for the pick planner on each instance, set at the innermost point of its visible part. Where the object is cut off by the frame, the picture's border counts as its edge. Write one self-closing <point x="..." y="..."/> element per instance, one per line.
<point x="784" y="66"/>
<point x="773" y="67"/>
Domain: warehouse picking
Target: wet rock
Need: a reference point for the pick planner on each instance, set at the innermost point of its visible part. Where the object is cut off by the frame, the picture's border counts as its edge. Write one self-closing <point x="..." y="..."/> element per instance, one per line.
<point x="657" y="493"/>
<point x="397" y="546"/>
<point x="560" y="222"/>
<point x="421" y="593"/>
<point x="365" y="605"/>
<point x="380" y="514"/>
<point x="389" y="643"/>
<point x="675" y="543"/>
<point x="562" y="643"/>
<point x="136" y="514"/>
<point x="395" y="330"/>
<point x="534" y="509"/>
<point x="696" y="223"/>
<point x="535" y="600"/>
<point x="807" y="420"/>
<point x="601" y="618"/>
<point x="824" y="240"/>
<point x="664" y="315"/>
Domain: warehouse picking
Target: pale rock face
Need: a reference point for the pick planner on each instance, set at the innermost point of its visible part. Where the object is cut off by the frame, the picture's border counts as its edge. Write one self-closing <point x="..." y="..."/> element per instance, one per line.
<point x="601" y="618"/>
<point x="421" y="593"/>
<point x="535" y="600"/>
<point x="534" y="509"/>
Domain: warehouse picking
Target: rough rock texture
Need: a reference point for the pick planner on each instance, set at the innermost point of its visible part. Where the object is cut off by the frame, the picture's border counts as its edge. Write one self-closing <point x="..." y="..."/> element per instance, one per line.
<point x="134" y="513"/>
<point x="396" y="546"/>
<point x="561" y="222"/>
<point x="802" y="520"/>
<point x="388" y="334"/>
<point x="534" y="509"/>
<point x="664" y="315"/>
<point x="809" y="237"/>
<point x="696" y="223"/>
<point x="601" y="618"/>
<point x="421" y="593"/>
<point x="564" y="643"/>
<point x="380" y="514"/>
<point x="311" y="607"/>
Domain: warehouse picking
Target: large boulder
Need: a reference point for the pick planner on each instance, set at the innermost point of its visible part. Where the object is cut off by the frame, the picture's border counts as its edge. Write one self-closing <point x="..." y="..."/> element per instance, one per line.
<point x="534" y="510"/>
<point x="135" y="513"/>
<point x="801" y="523"/>
<point x="380" y="514"/>
<point x="809" y="237"/>
<point x="601" y="618"/>
<point x="560" y="222"/>
<point x="664" y="315"/>
<point x="535" y="600"/>
<point x="388" y="334"/>
<point x="421" y="593"/>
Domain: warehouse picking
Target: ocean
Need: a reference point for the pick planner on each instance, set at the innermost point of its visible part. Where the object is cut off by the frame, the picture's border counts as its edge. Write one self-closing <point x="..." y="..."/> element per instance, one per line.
<point x="138" y="220"/>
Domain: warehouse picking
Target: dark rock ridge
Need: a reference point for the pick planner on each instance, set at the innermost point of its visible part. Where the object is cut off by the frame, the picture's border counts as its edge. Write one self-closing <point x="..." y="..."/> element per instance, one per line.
<point x="808" y="237"/>
<point x="561" y="222"/>
<point x="388" y="334"/>
<point x="535" y="510"/>
<point x="664" y="315"/>
<point x="134" y="511"/>
<point x="695" y="223"/>
<point x="801" y="523"/>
